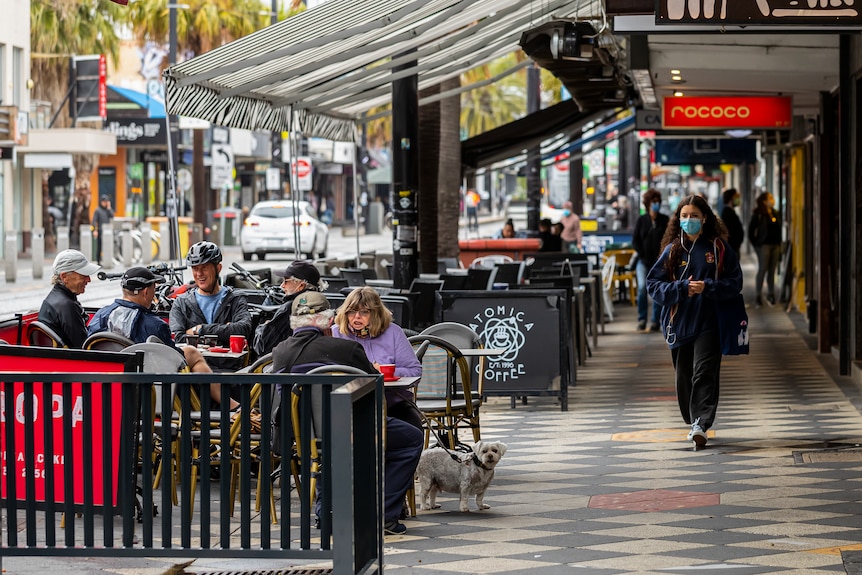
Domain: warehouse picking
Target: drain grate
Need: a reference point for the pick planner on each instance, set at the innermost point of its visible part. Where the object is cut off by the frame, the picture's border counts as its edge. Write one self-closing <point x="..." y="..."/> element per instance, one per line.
<point x="835" y="455"/>
<point x="296" y="571"/>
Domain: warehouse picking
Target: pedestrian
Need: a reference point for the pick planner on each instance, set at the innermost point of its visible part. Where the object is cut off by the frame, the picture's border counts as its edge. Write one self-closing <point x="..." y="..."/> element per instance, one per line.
<point x="102" y="216"/>
<point x="646" y="240"/>
<point x="764" y="233"/>
<point x="695" y="271"/>
<point x="507" y="231"/>
<point x="471" y="201"/>
<point x="735" y="231"/>
<point x="571" y="235"/>
<point x="61" y="310"/>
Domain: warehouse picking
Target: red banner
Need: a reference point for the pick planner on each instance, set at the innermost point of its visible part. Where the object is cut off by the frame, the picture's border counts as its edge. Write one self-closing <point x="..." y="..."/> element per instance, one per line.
<point x="103" y="86"/>
<point x="727" y="112"/>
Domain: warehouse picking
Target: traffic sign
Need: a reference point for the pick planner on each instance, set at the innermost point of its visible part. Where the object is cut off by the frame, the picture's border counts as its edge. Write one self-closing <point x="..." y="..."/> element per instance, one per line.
<point x="221" y="171"/>
<point x="302" y="170"/>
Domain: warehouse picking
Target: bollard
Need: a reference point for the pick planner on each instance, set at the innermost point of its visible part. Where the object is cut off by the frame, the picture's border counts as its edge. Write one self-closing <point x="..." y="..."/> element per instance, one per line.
<point x="146" y="243"/>
<point x="107" y="259"/>
<point x="62" y="238"/>
<point x="165" y="244"/>
<point x="86" y="240"/>
<point x="11" y="256"/>
<point x="126" y="242"/>
<point x="37" y="250"/>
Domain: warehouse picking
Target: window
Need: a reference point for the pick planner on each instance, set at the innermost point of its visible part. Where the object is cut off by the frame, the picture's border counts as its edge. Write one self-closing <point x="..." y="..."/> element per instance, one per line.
<point x="17" y="76"/>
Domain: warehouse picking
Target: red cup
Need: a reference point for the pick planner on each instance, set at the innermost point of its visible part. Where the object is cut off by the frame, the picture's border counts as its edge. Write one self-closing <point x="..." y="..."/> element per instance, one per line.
<point x="237" y="343"/>
<point x="388" y="370"/>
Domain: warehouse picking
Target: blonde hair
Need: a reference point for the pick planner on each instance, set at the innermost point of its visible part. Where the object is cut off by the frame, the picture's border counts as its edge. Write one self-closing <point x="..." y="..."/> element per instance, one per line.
<point x="364" y="298"/>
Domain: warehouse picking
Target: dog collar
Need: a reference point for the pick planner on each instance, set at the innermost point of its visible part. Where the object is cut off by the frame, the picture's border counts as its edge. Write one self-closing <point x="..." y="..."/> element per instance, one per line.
<point x="479" y="463"/>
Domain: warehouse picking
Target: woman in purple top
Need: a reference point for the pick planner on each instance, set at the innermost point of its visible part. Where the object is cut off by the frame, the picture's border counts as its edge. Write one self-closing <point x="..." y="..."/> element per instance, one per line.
<point x="364" y="319"/>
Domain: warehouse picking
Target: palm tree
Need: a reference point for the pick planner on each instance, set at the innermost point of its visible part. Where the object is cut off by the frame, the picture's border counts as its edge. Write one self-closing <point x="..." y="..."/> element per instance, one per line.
<point x="60" y="29"/>
<point x="488" y="107"/>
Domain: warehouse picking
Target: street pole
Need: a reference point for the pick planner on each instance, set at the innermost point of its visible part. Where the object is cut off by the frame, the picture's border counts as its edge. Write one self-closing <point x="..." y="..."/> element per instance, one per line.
<point x="405" y="171"/>
<point x="173" y="152"/>
<point x="534" y="156"/>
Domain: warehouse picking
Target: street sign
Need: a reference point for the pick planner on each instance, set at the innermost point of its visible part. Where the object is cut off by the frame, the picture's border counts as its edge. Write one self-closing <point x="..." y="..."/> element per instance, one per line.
<point x="302" y="170"/>
<point x="273" y="179"/>
<point x="221" y="172"/>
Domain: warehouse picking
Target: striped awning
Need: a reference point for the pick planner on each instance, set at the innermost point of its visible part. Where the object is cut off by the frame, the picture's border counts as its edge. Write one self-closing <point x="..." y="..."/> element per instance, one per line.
<point x="334" y="62"/>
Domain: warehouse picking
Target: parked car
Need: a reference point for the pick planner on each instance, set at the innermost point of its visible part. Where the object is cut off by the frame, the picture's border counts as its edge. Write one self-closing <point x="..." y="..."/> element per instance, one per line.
<point x="269" y="229"/>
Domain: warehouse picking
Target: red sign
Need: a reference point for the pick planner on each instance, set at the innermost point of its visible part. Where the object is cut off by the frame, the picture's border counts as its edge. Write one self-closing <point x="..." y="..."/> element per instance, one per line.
<point x="303" y="167"/>
<point x="103" y="86"/>
<point x="726" y="112"/>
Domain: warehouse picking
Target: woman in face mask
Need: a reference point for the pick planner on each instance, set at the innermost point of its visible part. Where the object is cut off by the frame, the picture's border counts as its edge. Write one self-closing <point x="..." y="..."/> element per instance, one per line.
<point x="695" y="269"/>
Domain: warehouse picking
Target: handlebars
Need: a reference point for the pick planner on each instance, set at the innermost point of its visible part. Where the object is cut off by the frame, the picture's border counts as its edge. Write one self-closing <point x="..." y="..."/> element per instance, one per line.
<point x="249" y="277"/>
<point x="155" y="268"/>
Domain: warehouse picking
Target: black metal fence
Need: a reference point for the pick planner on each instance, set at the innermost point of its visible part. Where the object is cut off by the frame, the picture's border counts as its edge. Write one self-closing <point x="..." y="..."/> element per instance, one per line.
<point x="81" y="453"/>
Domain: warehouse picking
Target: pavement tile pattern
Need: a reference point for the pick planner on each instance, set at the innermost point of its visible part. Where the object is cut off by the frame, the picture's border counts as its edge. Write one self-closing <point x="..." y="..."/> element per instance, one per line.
<point x="613" y="487"/>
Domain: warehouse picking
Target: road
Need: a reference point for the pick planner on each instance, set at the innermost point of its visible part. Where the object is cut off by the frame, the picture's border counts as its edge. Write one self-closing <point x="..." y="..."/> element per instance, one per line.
<point x="27" y="293"/>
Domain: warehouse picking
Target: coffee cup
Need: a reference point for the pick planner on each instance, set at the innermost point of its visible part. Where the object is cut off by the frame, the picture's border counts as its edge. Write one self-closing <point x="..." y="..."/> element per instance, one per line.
<point x="388" y="370"/>
<point x="237" y="343"/>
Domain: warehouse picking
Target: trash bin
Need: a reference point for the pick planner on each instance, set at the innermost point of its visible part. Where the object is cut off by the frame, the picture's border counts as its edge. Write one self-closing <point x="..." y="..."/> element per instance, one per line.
<point x="183" y="223"/>
<point x="231" y="220"/>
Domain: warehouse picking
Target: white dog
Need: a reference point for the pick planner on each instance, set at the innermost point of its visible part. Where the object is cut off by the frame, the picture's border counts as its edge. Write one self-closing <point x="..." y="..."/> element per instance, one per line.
<point x="470" y="474"/>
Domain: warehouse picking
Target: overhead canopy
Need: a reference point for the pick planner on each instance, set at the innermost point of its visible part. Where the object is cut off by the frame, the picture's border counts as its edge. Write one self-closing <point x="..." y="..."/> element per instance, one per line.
<point x="334" y="62"/>
<point x="561" y="122"/>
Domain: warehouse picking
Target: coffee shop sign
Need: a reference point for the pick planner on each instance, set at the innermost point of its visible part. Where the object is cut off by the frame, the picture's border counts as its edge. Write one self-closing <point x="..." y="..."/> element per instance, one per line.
<point x="502" y="327"/>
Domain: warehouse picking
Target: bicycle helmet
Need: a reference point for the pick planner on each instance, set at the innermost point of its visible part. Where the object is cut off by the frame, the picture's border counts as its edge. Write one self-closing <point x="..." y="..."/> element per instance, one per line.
<point x="203" y="253"/>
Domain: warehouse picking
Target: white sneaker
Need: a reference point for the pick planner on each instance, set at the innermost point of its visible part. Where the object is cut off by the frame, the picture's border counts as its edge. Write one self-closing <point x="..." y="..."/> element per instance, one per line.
<point x="697" y="434"/>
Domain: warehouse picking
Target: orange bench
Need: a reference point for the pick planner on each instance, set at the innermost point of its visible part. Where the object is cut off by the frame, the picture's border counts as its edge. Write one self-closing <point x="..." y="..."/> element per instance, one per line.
<point x="512" y="247"/>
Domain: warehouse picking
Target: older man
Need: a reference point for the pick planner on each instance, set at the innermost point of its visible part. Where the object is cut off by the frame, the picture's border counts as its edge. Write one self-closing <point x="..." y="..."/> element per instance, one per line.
<point x="309" y="347"/>
<point x="131" y="317"/>
<point x="61" y="310"/>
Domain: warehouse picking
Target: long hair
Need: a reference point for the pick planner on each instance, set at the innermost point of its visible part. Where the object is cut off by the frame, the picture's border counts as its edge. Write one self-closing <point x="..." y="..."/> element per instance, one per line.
<point x="712" y="228"/>
<point x="364" y="298"/>
<point x="761" y="204"/>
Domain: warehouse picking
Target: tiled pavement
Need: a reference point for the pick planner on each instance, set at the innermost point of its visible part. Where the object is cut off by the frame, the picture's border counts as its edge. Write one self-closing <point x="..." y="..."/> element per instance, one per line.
<point x="613" y="487"/>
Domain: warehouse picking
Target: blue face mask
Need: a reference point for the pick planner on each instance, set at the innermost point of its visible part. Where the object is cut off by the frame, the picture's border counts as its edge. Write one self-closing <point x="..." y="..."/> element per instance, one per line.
<point x="567" y="212"/>
<point x="656" y="206"/>
<point x="691" y="226"/>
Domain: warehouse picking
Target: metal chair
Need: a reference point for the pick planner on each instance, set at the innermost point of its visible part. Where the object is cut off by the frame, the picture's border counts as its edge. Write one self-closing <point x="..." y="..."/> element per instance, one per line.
<point x="463" y="337"/>
<point x="107" y="341"/>
<point x="489" y="261"/>
<point x="40" y="335"/>
<point x="623" y="276"/>
<point x="607" y="285"/>
<point x="445" y="395"/>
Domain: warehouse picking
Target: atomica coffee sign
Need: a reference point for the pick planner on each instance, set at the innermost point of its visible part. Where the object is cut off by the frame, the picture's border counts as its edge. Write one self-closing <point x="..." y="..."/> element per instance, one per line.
<point x="726" y="112"/>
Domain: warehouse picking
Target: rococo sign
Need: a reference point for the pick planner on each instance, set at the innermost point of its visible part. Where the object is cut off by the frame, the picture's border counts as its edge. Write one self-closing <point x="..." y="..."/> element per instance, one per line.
<point x="724" y="112"/>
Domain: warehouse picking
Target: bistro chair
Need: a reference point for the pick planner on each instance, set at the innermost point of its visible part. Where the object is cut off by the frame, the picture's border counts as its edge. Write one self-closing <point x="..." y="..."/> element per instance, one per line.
<point x="40" y="335"/>
<point x="107" y="341"/>
<point x="623" y="276"/>
<point x="463" y="337"/>
<point x="608" y="285"/>
<point x="444" y="395"/>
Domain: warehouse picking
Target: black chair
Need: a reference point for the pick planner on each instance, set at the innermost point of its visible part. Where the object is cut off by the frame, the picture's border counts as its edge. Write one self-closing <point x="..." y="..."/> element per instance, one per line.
<point x="401" y="308"/>
<point x="509" y="274"/>
<point x="480" y="278"/>
<point x="334" y="285"/>
<point x="107" y="341"/>
<point x="454" y="281"/>
<point x="424" y="312"/>
<point x="40" y="335"/>
<point x="354" y="277"/>
<point x="335" y="299"/>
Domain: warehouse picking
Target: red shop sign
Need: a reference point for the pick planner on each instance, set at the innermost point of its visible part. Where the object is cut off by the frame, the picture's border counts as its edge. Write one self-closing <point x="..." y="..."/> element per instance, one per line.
<point x="724" y="112"/>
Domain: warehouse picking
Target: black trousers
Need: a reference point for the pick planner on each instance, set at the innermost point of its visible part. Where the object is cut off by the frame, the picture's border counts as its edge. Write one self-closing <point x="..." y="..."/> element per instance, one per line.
<point x="697" y="364"/>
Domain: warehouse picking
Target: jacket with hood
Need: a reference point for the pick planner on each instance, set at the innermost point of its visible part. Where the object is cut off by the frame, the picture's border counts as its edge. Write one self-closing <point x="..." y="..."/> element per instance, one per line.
<point x="231" y="317"/>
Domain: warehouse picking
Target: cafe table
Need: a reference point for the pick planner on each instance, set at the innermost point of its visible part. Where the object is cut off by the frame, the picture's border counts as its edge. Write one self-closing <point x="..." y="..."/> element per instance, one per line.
<point x="222" y="361"/>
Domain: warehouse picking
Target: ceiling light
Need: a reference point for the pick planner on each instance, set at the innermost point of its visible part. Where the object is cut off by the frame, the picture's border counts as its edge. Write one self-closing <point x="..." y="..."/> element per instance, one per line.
<point x="676" y="78"/>
<point x="678" y="94"/>
<point x="675" y="72"/>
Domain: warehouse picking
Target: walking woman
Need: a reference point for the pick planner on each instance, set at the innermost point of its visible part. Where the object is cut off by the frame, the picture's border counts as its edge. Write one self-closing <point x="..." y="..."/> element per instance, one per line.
<point x="764" y="233"/>
<point x="696" y="269"/>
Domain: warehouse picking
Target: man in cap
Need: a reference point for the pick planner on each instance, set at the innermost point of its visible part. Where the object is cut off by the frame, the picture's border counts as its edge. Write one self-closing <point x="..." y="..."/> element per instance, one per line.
<point x="299" y="277"/>
<point x="61" y="310"/>
<point x="131" y="317"/>
<point x="103" y="215"/>
<point x="309" y="347"/>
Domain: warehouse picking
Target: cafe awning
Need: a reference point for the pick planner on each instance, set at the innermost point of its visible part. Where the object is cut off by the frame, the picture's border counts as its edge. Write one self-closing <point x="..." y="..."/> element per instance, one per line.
<point x="334" y="62"/>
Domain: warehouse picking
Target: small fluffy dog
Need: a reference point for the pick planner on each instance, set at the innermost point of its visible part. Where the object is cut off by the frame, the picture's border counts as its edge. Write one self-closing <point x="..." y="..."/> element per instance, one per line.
<point x="470" y="475"/>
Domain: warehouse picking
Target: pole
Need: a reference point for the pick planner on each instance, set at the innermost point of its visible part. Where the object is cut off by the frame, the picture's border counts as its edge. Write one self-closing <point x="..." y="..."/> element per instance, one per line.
<point x="173" y="156"/>
<point x="846" y="207"/>
<point x="534" y="156"/>
<point x="405" y="170"/>
<point x="356" y="206"/>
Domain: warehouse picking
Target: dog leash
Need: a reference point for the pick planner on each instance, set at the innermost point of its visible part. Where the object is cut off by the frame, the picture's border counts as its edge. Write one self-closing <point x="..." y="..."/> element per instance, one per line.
<point x="454" y="454"/>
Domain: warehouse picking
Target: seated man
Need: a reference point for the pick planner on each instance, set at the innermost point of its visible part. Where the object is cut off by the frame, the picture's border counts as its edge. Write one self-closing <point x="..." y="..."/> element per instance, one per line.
<point x="550" y="242"/>
<point x="209" y="308"/>
<point x="310" y="347"/>
<point x="61" y="310"/>
<point x="299" y="277"/>
<point x="131" y="317"/>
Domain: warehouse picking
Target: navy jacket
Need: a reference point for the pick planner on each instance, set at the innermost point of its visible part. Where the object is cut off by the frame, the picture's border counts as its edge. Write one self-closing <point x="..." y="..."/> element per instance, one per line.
<point x="141" y="324"/>
<point x="683" y="318"/>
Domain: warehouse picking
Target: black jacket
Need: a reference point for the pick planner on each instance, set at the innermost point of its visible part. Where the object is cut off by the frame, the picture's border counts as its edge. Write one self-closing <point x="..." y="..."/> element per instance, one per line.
<point x="269" y="334"/>
<point x="62" y="312"/>
<point x="764" y="228"/>
<point x="735" y="231"/>
<point x="646" y="238"/>
<point x="231" y="317"/>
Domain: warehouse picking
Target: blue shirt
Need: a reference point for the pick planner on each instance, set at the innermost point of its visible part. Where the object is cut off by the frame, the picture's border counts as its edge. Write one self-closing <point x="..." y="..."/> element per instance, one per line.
<point x="209" y="303"/>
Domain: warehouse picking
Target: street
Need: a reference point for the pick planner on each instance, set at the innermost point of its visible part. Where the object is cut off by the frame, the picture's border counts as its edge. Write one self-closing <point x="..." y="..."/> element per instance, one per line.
<point x="26" y="294"/>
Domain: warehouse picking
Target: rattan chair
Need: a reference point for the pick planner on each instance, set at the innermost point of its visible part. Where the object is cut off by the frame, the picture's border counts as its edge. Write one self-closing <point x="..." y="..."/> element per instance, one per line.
<point x="107" y="341"/>
<point x="40" y="335"/>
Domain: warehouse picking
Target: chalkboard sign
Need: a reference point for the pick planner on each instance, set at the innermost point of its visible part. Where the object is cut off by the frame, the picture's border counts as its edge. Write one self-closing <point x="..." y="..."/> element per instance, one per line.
<point x="531" y="325"/>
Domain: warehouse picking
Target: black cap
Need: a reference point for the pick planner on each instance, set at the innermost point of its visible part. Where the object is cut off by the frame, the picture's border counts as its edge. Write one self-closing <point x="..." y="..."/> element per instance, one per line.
<point x="104" y="199"/>
<point x="139" y="278"/>
<point x="303" y="270"/>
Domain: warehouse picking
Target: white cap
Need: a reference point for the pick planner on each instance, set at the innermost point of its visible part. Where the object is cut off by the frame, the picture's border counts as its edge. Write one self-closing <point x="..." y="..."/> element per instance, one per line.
<point x="74" y="261"/>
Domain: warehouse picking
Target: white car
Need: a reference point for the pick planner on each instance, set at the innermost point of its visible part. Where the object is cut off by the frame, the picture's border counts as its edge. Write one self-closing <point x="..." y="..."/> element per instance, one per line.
<point x="269" y="229"/>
